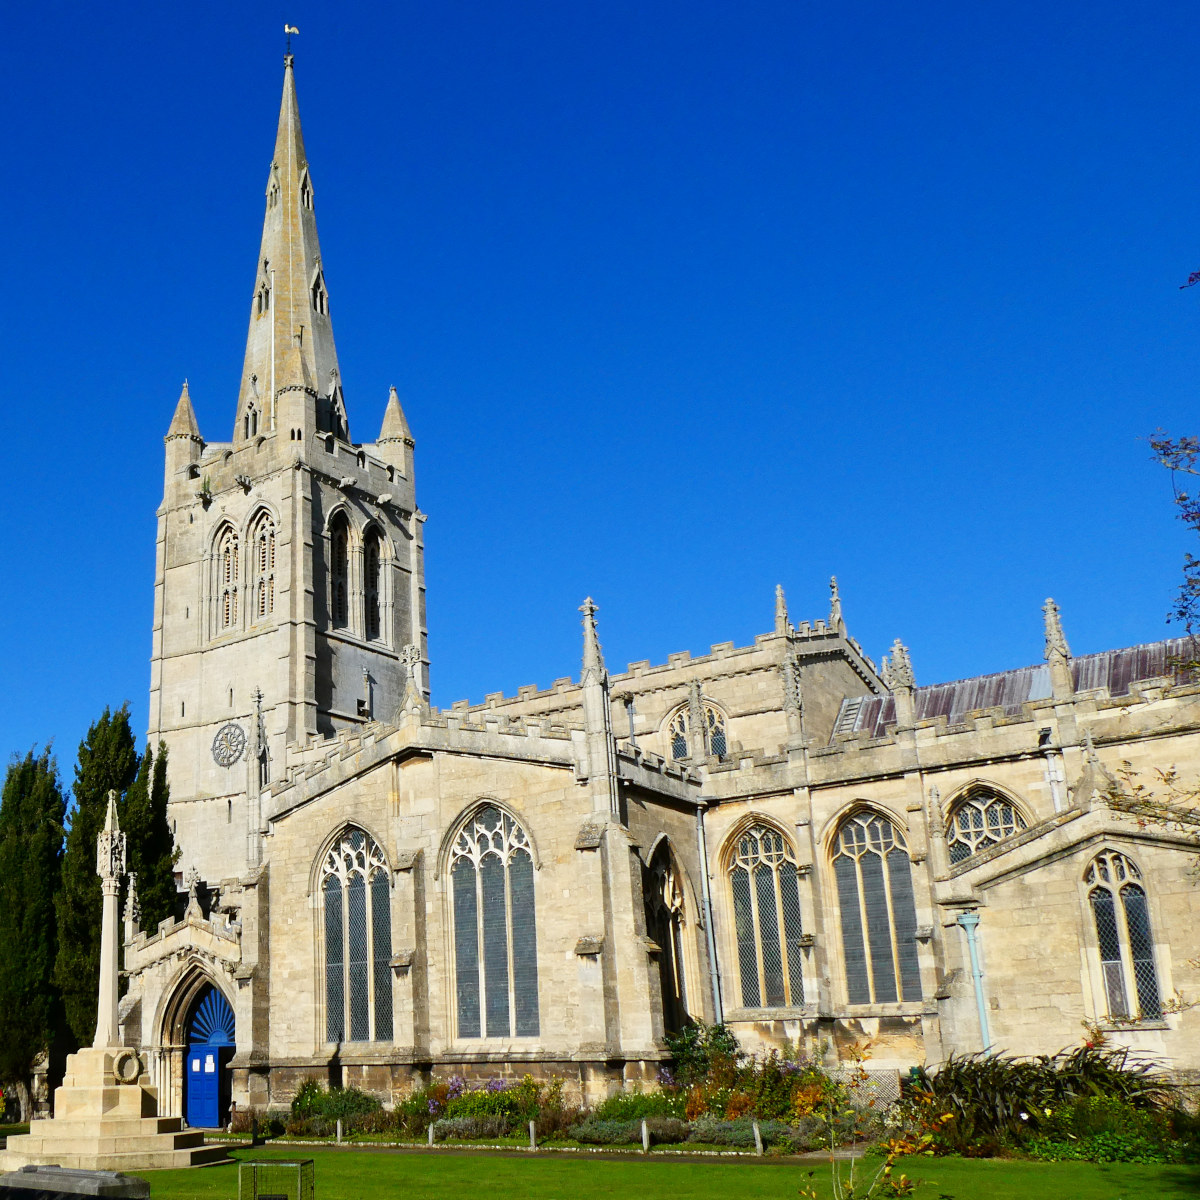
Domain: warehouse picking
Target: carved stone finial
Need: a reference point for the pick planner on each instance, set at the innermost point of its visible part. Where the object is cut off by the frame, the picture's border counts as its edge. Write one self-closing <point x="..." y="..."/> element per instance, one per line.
<point x="110" y="844"/>
<point x="781" y="612"/>
<point x="133" y="909"/>
<point x="1056" y="640"/>
<point x="192" y="879"/>
<point x="901" y="668"/>
<point x="836" y="620"/>
<point x="593" y="655"/>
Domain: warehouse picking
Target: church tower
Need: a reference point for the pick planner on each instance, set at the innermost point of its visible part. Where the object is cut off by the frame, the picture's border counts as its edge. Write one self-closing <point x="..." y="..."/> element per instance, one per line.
<point x="289" y="576"/>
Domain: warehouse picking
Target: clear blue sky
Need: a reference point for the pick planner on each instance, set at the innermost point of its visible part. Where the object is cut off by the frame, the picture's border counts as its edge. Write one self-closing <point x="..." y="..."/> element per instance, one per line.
<point x="683" y="300"/>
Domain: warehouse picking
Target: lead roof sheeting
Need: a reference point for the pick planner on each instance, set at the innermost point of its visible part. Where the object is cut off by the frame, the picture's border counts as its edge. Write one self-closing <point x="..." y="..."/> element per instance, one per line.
<point x="1114" y="670"/>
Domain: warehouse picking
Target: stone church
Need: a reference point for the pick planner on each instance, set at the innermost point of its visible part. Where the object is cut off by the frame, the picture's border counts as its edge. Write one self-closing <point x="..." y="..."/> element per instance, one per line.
<point x="782" y="836"/>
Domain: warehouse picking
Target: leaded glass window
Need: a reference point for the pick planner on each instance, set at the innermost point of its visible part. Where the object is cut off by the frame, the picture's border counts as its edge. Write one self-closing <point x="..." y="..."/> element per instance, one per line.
<point x="356" y="899"/>
<point x="715" y="741"/>
<point x="664" y="926"/>
<point x="262" y="548"/>
<point x="878" y="911"/>
<point x="495" y="938"/>
<point x="1122" y="916"/>
<point x="981" y="820"/>
<point x="765" y="884"/>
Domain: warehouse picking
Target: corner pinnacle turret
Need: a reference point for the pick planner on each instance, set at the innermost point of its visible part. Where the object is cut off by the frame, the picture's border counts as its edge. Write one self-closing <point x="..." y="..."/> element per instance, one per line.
<point x="289" y="348"/>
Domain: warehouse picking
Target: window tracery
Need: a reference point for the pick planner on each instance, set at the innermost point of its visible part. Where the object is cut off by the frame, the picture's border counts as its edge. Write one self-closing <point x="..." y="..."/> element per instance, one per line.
<point x="1122" y="916"/>
<point x="980" y="820"/>
<point x="877" y="910"/>
<point x="495" y="938"/>
<point x="715" y="741"/>
<point x="764" y="881"/>
<point x="664" y="926"/>
<point x="356" y="900"/>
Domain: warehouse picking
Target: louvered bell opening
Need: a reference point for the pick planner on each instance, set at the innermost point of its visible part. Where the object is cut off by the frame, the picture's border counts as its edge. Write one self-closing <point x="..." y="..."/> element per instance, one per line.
<point x="789" y="891"/>
<point x="524" y="944"/>
<point x="1141" y="949"/>
<point x="879" y="928"/>
<point x="335" y="967"/>
<point x="356" y="908"/>
<point x="466" y="947"/>
<point x="381" y="938"/>
<point x="904" y="913"/>
<point x="743" y="918"/>
<point x="495" y="948"/>
<point x="1104" y="911"/>
<point x="858" y="985"/>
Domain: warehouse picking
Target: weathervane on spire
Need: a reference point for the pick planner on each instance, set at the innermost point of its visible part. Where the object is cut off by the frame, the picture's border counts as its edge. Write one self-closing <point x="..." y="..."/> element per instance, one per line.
<point x="289" y="30"/>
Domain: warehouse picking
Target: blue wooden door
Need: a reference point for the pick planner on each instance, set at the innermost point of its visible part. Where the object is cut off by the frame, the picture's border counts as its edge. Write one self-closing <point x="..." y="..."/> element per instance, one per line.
<point x="206" y="1066"/>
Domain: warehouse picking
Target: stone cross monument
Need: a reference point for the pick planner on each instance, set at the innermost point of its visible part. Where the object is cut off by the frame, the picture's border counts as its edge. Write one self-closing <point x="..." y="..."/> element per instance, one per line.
<point x="106" y="1111"/>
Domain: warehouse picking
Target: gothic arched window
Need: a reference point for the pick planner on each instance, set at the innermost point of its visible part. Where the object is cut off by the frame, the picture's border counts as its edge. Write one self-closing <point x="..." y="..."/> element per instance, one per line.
<point x="878" y="912"/>
<point x="664" y="926"/>
<point x="495" y="939"/>
<point x="980" y="820"/>
<point x="766" y="912"/>
<point x="1122" y="918"/>
<point x="372" y="582"/>
<point x="339" y="571"/>
<point x="225" y="571"/>
<point x="715" y="741"/>
<point x="358" y="940"/>
<point x="262" y="550"/>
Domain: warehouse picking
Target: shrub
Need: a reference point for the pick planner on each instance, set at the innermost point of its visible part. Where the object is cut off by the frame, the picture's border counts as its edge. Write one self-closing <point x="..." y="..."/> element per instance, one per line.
<point x="264" y="1122"/>
<point x="594" y="1132"/>
<point x="312" y="1100"/>
<point x="698" y="1049"/>
<point x="471" y="1127"/>
<point x="557" y="1122"/>
<point x="713" y="1131"/>
<point x="633" y="1106"/>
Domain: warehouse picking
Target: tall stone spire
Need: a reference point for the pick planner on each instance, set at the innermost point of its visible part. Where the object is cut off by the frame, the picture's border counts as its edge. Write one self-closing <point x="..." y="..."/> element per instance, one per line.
<point x="290" y="308"/>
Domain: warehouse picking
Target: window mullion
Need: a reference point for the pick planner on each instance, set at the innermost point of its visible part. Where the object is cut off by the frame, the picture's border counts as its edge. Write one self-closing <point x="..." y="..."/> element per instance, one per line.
<point x="370" y="907"/>
<point x="781" y="931"/>
<point x="482" y="949"/>
<point x="1133" y="1002"/>
<point x="758" y="936"/>
<point x="508" y="937"/>
<point x="345" y="891"/>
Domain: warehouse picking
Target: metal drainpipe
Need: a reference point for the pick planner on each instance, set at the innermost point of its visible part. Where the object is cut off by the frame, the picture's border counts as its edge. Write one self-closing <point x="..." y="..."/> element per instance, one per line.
<point x="970" y="922"/>
<point x="710" y="933"/>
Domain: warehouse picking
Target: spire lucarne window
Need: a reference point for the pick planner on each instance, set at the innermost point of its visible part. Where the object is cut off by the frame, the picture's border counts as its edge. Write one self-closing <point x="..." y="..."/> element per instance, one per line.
<point x="495" y="939"/>
<point x="878" y="912"/>
<point x="764" y="880"/>
<point x="358" y="940"/>
<point x="1122" y="916"/>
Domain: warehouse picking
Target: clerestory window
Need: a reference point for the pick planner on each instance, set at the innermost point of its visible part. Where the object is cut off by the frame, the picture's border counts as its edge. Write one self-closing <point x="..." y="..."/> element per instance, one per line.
<point x="765" y="884"/>
<point x="1122" y="916"/>
<point x="715" y="741"/>
<point x="877" y="910"/>
<point x="981" y="820"/>
<point x="356" y="903"/>
<point x="495" y="937"/>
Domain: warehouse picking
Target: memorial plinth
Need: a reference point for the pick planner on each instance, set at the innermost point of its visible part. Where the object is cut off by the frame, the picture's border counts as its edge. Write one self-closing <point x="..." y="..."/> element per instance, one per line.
<point x="106" y="1111"/>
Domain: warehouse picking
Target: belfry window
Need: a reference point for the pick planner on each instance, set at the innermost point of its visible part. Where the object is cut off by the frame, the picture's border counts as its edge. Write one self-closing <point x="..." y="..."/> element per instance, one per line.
<point x="495" y="939"/>
<point x="372" y="579"/>
<point x="878" y="912"/>
<point x="251" y="426"/>
<point x="1122" y="917"/>
<point x="225" y="573"/>
<point x="356" y="904"/>
<point x="262" y="548"/>
<point x="981" y="820"/>
<point x="765" y="883"/>
<point x="339" y="572"/>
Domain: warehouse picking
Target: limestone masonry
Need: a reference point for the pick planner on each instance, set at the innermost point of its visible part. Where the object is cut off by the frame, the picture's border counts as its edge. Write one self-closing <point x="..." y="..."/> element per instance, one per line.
<point x="781" y="836"/>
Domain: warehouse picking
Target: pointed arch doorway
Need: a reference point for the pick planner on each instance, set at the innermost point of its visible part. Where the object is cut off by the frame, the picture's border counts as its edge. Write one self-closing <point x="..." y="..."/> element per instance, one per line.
<point x="207" y="1080"/>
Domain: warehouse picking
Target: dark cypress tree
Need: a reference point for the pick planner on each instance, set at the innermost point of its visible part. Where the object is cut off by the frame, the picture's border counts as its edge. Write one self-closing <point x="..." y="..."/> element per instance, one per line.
<point x="152" y="854"/>
<point x="32" y="809"/>
<point x="108" y="759"/>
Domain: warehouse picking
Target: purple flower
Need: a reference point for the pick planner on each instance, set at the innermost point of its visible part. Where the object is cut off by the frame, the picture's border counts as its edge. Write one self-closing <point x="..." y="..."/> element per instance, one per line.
<point x="496" y="1085"/>
<point x="433" y="1107"/>
<point x="458" y="1085"/>
<point x="665" y="1078"/>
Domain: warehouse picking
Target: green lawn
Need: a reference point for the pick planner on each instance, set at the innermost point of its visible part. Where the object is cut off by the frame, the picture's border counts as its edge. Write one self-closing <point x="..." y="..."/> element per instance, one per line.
<point x="365" y="1174"/>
